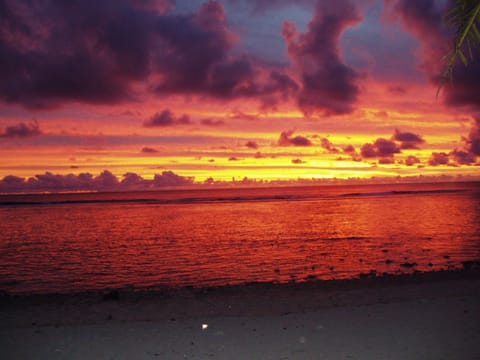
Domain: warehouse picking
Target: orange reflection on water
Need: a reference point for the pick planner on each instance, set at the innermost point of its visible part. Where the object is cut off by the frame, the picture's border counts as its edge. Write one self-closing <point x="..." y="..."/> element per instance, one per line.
<point x="215" y="237"/>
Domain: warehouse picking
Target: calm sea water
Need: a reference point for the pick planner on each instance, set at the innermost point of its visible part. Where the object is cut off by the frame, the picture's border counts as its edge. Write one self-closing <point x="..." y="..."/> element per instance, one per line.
<point x="77" y="242"/>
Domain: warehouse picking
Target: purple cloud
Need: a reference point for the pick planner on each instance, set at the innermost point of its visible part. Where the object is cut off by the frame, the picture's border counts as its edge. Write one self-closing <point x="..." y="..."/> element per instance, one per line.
<point x="407" y="140"/>
<point x="425" y="18"/>
<point x="85" y="51"/>
<point x="463" y="157"/>
<point x="286" y="139"/>
<point x="106" y="181"/>
<point x="169" y="178"/>
<point x="166" y="118"/>
<point x="473" y="138"/>
<point x="381" y="148"/>
<point x="438" y="159"/>
<point x="149" y="150"/>
<point x="251" y="144"/>
<point x="327" y="145"/>
<point x="212" y="122"/>
<point x="412" y="160"/>
<point x="329" y="86"/>
<point x="21" y="130"/>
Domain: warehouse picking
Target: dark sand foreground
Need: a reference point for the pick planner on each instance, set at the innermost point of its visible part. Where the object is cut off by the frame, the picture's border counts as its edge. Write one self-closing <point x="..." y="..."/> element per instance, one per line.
<point x="422" y="316"/>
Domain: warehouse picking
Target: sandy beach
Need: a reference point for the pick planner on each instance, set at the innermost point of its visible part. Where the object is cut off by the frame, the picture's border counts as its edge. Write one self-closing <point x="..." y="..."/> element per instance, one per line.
<point x="421" y="316"/>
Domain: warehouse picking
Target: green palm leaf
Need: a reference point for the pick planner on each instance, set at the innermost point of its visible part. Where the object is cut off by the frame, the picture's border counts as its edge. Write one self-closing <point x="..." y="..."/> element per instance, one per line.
<point x="464" y="17"/>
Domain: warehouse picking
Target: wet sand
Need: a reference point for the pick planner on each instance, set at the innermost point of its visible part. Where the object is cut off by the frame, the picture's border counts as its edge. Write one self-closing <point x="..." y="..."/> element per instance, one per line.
<point x="421" y="316"/>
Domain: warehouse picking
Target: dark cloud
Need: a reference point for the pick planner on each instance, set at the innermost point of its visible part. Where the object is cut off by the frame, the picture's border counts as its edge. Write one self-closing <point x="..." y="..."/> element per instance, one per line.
<point x="473" y="138"/>
<point x="368" y="151"/>
<point x="386" y="147"/>
<point x="386" y="160"/>
<point x="251" y="144"/>
<point x="471" y="149"/>
<point x="327" y="145"/>
<point x="258" y="155"/>
<point x="87" y="51"/>
<point x="242" y="116"/>
<point x="212" y="122"/>
<point x="106" y="181"/>
<point x="463" y="157"/>
<point x="169" y="178"/>
<point x="328" y="85"/>
<point x="196" y="61"/>
<point x="233" y="158"/>
<point x="149" y="150"/>
<point x="350" y="150"/>
<point x="438" y="159"/>
<point x="425" y="18"/>
<point x="99" y="52"/>
<point x="298" y="161"/>
<point x="132" y="180"/>
<point x="412" y="160"/>
<point x="397" y="90"/>
<point x="166" y="118"/>
<point x="21" y="130"/>
<point x="381" y="148"/>
<point x="287" y="139"/>
<point x="408" y="140"/>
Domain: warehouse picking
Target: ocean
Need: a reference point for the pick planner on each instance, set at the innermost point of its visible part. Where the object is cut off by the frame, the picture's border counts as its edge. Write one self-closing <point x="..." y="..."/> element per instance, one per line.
<point x="64" y="243"/>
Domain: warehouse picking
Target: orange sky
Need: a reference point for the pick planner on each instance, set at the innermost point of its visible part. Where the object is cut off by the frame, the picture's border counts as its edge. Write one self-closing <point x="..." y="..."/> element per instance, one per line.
<point x="222" y="90"/>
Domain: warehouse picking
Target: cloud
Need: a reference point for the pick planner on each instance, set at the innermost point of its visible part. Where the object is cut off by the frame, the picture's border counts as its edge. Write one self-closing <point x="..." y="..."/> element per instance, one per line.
<point x="463" y="157"/>
<point x="80" y="51"/>
<point x="242" y="116"/>
<point x="473" y="138"/>
<point x="329" y="86"/>
<point x="131" y="179"/>
<point x="471" y="150"/>
<point x="298" y="161"/>
<point x="327" y="145"/>
<point x="21" y="130"/>
<point x="436" y="159"/>
<point x="350" y="150"/>
<point x="425" y="18"/>
<point x="251" y="144"/>
<point x="286" y="139"/>
<point x="386" y="160"/>
<point x="368" y="151"/>
<point x="212" y="122"/>
<point x="407" y="140"/>
<point x="397" y="90"/>
<point x="102" y="53"/>
<point x="149" y="150"/>
<point x="169" y="178"/>
<point x="381" y="148"/>
<point x="412" y="160"/>
<point x="166" y="118"/>
<point x="105" y="181"/>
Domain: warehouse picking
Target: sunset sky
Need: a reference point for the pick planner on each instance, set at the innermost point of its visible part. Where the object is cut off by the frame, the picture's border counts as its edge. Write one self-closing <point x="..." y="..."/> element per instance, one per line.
<point x="267" y="89"/>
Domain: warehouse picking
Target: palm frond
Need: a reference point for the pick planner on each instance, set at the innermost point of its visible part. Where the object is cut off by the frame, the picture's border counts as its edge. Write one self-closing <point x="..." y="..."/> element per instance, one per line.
<point x="464" y="17"/>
